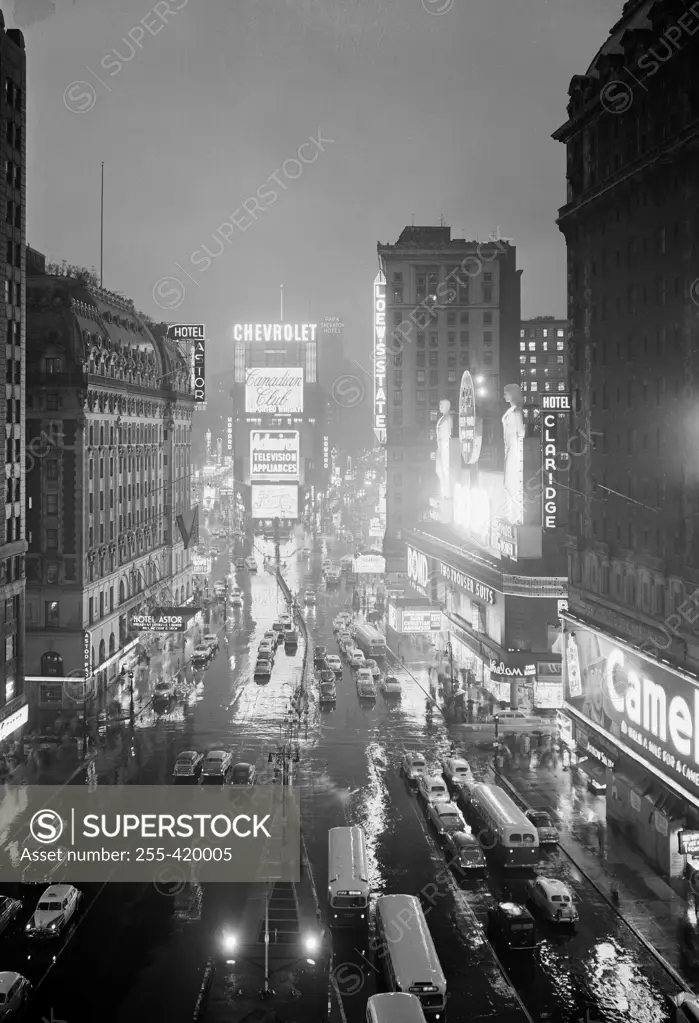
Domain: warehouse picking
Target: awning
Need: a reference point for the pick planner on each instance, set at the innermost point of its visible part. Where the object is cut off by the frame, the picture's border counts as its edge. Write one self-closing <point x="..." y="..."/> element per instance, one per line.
<point x="637" y="779"/>
<point x="591" y="767"/>
<point x="667" y="803"/>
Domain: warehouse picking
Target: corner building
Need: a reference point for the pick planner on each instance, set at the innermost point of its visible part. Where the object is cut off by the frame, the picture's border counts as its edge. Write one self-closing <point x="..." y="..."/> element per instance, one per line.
<point x="631" y="636"/>
<point x="109" y="424"/>
<point x="13" y="544"/>
<point x="483" y="582"/>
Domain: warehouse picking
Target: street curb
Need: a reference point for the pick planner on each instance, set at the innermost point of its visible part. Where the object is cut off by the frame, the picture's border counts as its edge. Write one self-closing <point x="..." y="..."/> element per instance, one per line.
<point x="670" y="970"/>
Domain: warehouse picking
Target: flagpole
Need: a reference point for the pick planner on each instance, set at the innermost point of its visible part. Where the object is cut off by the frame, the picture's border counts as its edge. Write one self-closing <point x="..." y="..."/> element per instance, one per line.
<point x="102" y="229"/>
<point x="281" y="303"/>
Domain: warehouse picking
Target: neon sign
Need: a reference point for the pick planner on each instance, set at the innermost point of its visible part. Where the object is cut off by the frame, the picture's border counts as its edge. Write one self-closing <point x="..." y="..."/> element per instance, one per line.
<point x="550" y="489"/>
<point x="274" y="332"/>
<point x="380" y="358"/>
<point x="470" y="427"/>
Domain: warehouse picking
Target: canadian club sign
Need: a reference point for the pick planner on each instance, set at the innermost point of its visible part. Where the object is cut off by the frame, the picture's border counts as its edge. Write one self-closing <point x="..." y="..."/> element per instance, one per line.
<point x="274" y="391"/>
<point x="470" y="427"/>
<point x="380" y="358"/>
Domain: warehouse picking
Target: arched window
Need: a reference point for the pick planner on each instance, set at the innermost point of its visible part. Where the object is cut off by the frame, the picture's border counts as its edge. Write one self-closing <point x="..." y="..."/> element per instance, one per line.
<point x="112" y="644"/>
<point x="52" y="665"/>
<point x="122" y="592"/>
<point x="103" y="652"/>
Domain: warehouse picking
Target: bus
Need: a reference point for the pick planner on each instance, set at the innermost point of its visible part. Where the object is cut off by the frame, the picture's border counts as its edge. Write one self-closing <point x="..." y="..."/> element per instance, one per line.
<point x="348" y="878"/>
<point x="409" y="957"/>
<point x="394" y="1008"/>
<point x="507" y="833"/>
<point x="371" y="642"/>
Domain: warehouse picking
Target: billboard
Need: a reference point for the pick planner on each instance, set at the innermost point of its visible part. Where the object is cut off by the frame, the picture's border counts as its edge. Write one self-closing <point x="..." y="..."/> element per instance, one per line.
<point x="199" y="382"/>
<point x="275" y="332"/>
<point x="186" y="331"/>
<point x="417" y="620"/>
<point x="548" y="695"/>
<point x="201" y="564"/>
<point x="369" y="564"/>
<point x="274" y="455"/>
<point x="273" y="501"/>
<point x="644" y="707"/>
<point x="470" y="426"/>
<point x="276" y="391"/>
<point x="380" y="358"/>
<point x="163" y="619"/>
<point x="549" y="490"/>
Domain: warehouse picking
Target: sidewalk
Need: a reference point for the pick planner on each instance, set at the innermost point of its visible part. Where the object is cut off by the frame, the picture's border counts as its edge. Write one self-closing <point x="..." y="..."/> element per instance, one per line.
<point x="659" y="915"/>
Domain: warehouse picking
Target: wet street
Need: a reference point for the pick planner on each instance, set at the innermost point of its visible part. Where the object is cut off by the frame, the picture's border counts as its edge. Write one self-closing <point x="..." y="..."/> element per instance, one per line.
<point x="139" y="951"/>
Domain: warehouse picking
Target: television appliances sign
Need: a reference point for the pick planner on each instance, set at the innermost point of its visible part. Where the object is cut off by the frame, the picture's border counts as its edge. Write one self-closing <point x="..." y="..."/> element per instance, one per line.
<point x="275" y="332"/>
<point x="274" y="391"/>
<point x="274" y="456"/>
<point x="380" y="358"/>
<point x="652" y="710"/>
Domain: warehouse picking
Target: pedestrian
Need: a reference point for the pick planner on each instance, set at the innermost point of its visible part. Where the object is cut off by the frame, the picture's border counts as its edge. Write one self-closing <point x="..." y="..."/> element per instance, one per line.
<point x="599" y="826"/>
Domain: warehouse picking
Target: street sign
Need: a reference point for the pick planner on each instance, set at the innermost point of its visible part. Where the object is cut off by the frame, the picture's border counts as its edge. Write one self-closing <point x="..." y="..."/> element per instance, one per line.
<point x="186" y="331"/>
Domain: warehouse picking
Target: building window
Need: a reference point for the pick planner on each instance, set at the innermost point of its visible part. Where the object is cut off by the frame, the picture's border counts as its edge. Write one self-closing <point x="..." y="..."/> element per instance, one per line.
<point x="421" y="397"/>
<point x="487" y="317"/>
<point x="420" y="376"/>
<point x="52" y="573"/>
<point x="51" y="614"/>
<point x="434" y="340"/>
<point x="398" y="397"/>
<point x="560" y="346"/>
<point x="52" y="504"/>
<point x="487" y="293"/>
<point x="560" y="333"/>
<point x="53" y="366"/>
<point x="464" y="337"/>
<point x="52" y="539"/>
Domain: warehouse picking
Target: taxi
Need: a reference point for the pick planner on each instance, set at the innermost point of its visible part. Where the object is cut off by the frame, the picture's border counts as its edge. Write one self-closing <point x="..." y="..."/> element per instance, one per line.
<point x="553" y="899"/>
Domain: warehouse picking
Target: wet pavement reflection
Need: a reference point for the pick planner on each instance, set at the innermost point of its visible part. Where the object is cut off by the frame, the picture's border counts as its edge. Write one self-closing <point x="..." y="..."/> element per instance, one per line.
<point x="139" y="951"/>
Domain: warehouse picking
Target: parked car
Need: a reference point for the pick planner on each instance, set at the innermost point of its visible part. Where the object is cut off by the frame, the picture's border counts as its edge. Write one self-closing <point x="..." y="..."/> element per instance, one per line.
<point x="54" y="911"/>
<point x="390" y="686"/>
<point x="553" y="898"/>
<point x="251" y="564"/>
<point x="413" y="766"/>
<point x="263" y="668"/>
<point x="326" y="676"/>
<point x="243" y="774"/>
<point x="512" y="925"/>
<point x="327" y="693"/>
<point x="241" y="563"/>
<point x="201" y="656"/>
<point x="319" y="655"/>
<point x="374" y="669"/>
<point x="547" y="831"/>
<point x="464" y="853"/>
<point x="309" y="598"/>
<point x="266" y="649"/>
<point x="220" y="588"/>
<point x="216" y="767"/>
<point x="345" y="643"/>
<point x="236" y="598"/>
<point x="356" y="658"/>
<point x="446" y="818"/>
<point x="211" y="641"/>
<point x="519" y="721"/>
<point x="164" y="690"/>
<point x="14" y="993"/>
<point x="9" y="908"/>
<point x="188" y="766"/>
<point x="279" y="628"/>
<point x="457" y="772"/>
<point x="291" y="640"/>
<point x="270" y="637"/>
<point x="334" y="663"/>
<point x="431" y="788"/>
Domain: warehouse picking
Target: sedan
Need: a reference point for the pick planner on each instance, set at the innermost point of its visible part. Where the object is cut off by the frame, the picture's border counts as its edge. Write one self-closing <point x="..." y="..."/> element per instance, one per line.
<point x="263" y="668"/>
<point x="243" y="774"/>
<point x="55" y="909"/>
<point x="413" y="766"/>
<point x="431" y="789"/>
<point x="211" y="641"/>
<point x="456" y="773"/>
<point x="164" y="690"/>
<point x="319" y="655"/>
<point x="356" y="658"/>
<point x="326" y="676"/>
<point x="374" y="669"/>
<point x="188" y="766"/>
<point x="328" y="693"/>
<point x="334" y="664"/>
<point x="309" y="598"/>
<point x="446" y="818"/>
<point x="9" y="908"/>
<point x="201" y="656"/>
<point x="390" y="686"/>
<point x="553" y="898"/>
<point x="547" y="831"/>
<point x="216" y="767"/>
<point x="366" y="690"/>
<point x="14" y="993"/>
<point x="266" y="649"/>
<point x="464" y="853"/>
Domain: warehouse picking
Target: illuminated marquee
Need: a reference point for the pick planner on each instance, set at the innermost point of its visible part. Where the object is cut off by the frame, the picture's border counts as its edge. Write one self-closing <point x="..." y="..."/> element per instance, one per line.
<point x="199" y="374"/>
<point x="274" y="455"/>
<point x="470" y="426"/>
<point x="275" y="332"/>
<point x="380" y="358"/>
<point x="274" y="391"/>
<point x="418" y="568"/>
<point x="326" y="452"/>
<point x="275" y="501"/>
<point x="230" y="433"/>
<point x="550" y="488"/>
<point x="467" y="583"/>
<point x="87" y="654"/>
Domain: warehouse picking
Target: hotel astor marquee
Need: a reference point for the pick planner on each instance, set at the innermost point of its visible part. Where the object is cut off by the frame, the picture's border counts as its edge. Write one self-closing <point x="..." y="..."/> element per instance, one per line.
<point x="645" y="708"/>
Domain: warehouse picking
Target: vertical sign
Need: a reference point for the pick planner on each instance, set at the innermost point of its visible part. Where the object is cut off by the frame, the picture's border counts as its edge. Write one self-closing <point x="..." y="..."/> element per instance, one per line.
<point x="326" y="452"/>
<point x="87" y="654"/>
<point x="380" y="358"/>
<point x="230" y="435"/>
<point x="199" y="374"/>
<point x="550" y="488"/>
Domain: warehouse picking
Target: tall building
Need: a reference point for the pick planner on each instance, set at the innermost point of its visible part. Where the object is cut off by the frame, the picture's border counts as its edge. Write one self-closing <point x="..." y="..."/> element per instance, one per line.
<point x="543" y="357"/>
<point x="109" y="422"/>
<point x="451" y="305"/>
<point x="348" y="390"/>
<point x="278" y="413"/>
<point x="631" y="228"/>
<point x="467" y="518"/>
<point x="13" y="544"/>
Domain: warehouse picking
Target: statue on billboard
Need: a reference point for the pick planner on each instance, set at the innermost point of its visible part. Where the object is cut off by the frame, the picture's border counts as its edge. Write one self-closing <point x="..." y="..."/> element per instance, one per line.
<point x="445" y="428"/>
<point x="513" y="433"/>
<point x="208" y="442"/>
